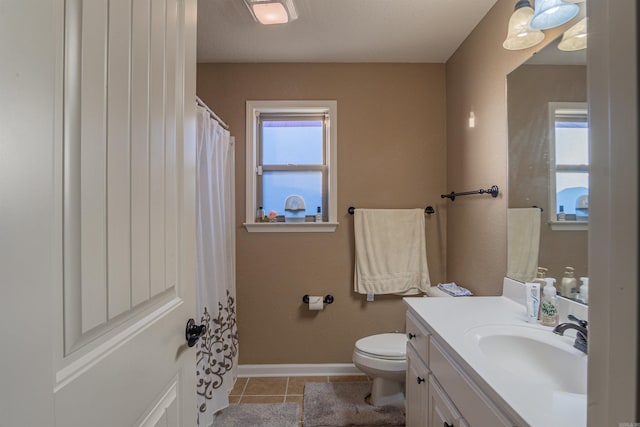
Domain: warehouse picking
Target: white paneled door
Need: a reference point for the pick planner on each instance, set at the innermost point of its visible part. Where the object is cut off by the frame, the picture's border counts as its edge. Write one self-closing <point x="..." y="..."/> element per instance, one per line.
<point x="98" y="213"/>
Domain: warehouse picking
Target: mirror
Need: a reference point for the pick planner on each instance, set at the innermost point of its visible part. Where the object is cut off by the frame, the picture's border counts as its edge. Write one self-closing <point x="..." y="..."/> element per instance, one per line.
<point x="548" y="165"/>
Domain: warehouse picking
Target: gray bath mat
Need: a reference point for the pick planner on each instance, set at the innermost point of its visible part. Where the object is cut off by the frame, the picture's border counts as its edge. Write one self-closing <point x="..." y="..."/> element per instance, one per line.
<point x="343" y="404"/>
<point x="259" y="415"/>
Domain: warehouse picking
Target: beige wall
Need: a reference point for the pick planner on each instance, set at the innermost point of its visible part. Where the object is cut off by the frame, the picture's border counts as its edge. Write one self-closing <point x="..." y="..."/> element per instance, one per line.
<point x="530" y="89"/>
<point x="391" y="153"/>
<point x="477" y="158"/>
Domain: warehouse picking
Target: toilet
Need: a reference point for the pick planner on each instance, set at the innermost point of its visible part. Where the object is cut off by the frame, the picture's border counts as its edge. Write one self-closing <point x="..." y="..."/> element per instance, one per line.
<point x="383" y="357"/>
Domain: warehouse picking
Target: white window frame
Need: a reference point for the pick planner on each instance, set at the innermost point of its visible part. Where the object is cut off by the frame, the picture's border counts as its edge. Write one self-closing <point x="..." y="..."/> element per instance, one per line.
<point x="553" y="220"/>
<point x="253" y="111"/>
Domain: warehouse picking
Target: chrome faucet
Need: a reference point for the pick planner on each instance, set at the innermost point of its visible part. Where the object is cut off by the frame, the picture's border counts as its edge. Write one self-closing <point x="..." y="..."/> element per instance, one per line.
<point x="581" y="335"/>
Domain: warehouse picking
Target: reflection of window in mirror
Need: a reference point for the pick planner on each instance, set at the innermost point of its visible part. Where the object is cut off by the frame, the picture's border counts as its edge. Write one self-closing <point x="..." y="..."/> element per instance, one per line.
<point x="569" y="165"/>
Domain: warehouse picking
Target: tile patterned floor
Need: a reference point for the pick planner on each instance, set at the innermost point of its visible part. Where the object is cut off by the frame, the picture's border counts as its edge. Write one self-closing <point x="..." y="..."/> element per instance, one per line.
<point x="280" y="389"/>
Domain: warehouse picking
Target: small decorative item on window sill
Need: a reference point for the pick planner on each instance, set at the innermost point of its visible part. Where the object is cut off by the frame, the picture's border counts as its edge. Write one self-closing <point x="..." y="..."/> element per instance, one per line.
<point x="493" y="191"/>
<point x="273" y="216"/>
<point x="260" y="217"/>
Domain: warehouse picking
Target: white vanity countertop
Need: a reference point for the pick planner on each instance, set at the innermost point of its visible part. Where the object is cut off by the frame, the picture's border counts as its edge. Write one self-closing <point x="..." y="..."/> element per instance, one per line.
<point x="450" y="320"/>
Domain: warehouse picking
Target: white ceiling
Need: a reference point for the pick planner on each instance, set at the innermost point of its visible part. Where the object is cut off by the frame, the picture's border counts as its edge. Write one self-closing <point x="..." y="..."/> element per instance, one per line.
<point x="339" y="31"/>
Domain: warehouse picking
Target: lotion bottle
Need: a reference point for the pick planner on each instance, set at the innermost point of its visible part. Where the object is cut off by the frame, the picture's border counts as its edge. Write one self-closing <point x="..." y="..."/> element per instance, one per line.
<point x="569" y="284"/>
<point x="549" y="306"/>
<point x="561" y="215"/>
<point x="319" y="215"/>
<point x="541" y="274"/>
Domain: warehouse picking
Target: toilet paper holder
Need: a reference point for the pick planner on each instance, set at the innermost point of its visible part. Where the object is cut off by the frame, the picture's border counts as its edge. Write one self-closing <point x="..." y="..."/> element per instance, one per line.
<point x="328" y="299"/>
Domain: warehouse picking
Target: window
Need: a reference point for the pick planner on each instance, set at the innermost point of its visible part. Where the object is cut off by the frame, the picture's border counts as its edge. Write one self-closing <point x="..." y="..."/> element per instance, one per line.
<point x="291" y="151"/>
<point x="569" y="165"/>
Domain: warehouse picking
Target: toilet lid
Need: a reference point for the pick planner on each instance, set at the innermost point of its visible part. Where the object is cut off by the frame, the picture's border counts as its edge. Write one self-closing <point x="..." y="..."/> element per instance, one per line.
<point x="386" y="346"/>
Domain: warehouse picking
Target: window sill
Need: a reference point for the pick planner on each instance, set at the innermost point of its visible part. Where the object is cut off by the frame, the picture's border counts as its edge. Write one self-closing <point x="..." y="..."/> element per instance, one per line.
<point x="569" y="225"/>
<point x="289" y="227"/>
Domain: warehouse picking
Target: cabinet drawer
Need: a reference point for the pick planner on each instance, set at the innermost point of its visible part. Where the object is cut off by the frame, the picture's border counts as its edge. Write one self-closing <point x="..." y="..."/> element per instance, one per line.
<point x="418" y="337"/>
<point x="442" y="411"/>
<point x="473" y="404"/>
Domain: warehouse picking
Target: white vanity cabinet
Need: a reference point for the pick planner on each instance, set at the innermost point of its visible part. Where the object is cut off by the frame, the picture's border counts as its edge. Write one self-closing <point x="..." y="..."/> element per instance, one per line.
<point x="438" y="391"/>
<point x="486" y="366"/>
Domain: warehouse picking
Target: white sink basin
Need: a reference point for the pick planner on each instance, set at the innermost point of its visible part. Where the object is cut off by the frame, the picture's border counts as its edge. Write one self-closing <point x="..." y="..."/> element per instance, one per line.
<point x="534" y="355"/>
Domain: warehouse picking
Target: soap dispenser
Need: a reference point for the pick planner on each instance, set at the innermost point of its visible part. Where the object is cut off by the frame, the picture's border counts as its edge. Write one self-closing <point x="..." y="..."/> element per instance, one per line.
<point x="569" y="284"/>
<point x="549" y="306"/>
<point x="584" y="290"/>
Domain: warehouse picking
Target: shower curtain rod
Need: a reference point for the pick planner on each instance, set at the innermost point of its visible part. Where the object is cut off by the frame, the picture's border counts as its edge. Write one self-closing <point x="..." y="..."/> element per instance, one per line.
<point x="215" y="117"/>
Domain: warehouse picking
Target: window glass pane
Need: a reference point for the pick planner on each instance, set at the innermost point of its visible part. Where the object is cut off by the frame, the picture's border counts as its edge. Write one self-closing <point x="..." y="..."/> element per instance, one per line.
<point x="278" y="185"/>
<point x="295" y="142"/>
<point x="569" y="187"/>
<point x="572" y="143"/>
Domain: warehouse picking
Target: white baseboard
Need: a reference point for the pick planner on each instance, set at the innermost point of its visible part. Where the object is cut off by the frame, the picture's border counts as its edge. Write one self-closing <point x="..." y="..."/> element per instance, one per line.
<point x="297" y="370"/>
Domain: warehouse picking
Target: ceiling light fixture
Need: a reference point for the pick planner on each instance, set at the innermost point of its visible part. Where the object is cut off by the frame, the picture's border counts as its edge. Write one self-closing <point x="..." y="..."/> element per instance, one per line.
<point x="575" y="38"/>
<point x="520" y="35"/>
<point x="552" y="13"/>
<point x="269" y="12"/>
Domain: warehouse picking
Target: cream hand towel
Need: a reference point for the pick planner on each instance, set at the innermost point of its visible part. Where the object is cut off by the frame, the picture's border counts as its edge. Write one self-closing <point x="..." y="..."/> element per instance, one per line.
<point x="523" y="243"/>
<point x="391" y="254"/>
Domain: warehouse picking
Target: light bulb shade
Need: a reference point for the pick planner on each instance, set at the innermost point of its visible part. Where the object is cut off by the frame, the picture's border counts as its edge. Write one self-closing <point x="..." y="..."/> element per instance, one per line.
<point x="520" y="35"/>
<point x="575" y="38"/>
<point x="551" y="13"/>
<point x="269" y="12"/>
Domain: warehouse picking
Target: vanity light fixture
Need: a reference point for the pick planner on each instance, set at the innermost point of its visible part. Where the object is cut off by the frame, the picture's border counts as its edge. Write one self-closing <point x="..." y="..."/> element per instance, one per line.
<point x="269" y="12"/>
<point x="552" y="13"/>
<point x="520" y="34"/>
<point x="575" y="38"/>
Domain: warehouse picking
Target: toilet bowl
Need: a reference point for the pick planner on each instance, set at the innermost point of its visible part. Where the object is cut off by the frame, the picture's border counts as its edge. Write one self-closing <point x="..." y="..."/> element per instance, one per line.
<point x="383" y="357"/>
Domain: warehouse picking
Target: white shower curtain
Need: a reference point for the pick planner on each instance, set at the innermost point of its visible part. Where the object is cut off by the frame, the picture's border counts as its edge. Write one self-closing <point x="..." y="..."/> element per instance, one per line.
<point x="217" y="350"/>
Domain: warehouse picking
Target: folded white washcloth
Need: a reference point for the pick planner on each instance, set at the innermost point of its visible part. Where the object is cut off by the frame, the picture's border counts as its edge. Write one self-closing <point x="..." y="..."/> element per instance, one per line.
<point x="454" y="290"/>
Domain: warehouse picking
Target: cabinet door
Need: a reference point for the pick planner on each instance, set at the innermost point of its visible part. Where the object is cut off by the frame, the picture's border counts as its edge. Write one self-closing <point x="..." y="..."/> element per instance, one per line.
<point x="442" y="412"/>
<point x="416" y="390"/>
<point x="418" y="337"/>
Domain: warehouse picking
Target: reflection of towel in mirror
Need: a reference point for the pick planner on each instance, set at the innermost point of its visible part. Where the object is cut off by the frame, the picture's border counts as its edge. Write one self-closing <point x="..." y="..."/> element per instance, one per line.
<point x="523" y="243"/>
<point x="391" y="254"/>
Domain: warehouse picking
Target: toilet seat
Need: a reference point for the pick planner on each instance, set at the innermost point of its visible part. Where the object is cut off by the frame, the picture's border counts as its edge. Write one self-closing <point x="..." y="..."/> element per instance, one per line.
<point x="390" y="346"/>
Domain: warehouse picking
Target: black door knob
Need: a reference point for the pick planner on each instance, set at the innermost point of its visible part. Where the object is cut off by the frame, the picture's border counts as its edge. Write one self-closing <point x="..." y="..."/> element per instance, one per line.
<point x="193" y="332"/>
<point x="411" y="335"/>
<point x="420" y="380"/>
